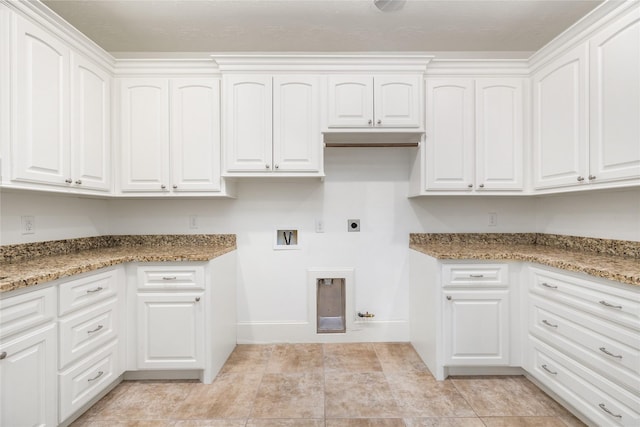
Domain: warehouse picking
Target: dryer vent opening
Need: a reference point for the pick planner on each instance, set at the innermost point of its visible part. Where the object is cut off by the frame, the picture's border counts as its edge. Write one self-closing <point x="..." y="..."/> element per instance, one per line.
<point x="330" y="309"/>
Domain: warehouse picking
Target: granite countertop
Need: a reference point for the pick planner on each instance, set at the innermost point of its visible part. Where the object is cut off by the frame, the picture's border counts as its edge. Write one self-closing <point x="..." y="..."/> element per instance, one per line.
<point x="609" y="259"/>
<point x="27" y="265"/>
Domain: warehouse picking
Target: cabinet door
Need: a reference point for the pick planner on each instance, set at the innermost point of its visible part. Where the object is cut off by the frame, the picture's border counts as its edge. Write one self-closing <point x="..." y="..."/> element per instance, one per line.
<point x="615" y="101"/>
<point x="296" y="123"/>
<point x="41" y="143"/>
<point x="248" y="123"/>
<point x="476" y="328"/>
<point x="499" y="134"/>
<point x="350" y="101"/>
<point x="195" y="134"/>
<point x="145" y="134"/>
<point x="449" y="139"/>
<point x="170" y="331"/>
<point x="560" y="154"/>
<point x="28" y="380"/>
<point x="397" y="101"/>
<point x="90" y="137"/>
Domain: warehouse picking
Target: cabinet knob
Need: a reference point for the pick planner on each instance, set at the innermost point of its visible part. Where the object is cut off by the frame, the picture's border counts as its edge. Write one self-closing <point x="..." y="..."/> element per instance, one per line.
<point x="68" y="180"/>
<point x="175" y="186"/>
<point x="370" y="122"/>
<point x="448" y="297"/>
<point x="197" y="299"/>
<point x="470" y="185"/>
<point x="163" y="186"/>
<point x="267" y="166"/>
<point x="592" y="177"/>
<point x="78" y="181"/>
<point x="379" y="122"/>
<point x="277" y="166"/>
<point x="3" y="355"/>
<point x="481" y="185"/>
<point x="580" y="178"/>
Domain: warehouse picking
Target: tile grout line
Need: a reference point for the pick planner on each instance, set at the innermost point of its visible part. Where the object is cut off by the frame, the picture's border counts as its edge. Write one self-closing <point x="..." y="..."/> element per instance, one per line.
<point x="255" y="396"/>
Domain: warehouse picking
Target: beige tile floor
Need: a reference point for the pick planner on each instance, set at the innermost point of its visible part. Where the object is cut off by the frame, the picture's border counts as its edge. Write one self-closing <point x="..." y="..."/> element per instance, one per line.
<point x="328" y="385"/>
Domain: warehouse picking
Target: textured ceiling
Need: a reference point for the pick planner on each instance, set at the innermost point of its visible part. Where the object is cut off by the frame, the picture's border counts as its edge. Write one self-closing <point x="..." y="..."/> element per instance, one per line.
<point x="320" y="26"/>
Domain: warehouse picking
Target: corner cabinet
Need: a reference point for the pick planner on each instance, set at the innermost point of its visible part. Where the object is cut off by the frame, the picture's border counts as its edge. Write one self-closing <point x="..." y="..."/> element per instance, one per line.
<point x="380" y="101"/>
<point x="170" y="135"/>
<point x="272" y="125"/>
<point x="474" y="135"/>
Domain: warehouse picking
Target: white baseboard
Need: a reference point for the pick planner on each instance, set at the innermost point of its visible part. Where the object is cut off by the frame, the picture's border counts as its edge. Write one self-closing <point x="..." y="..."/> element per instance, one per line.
<point x="304" y="332"/>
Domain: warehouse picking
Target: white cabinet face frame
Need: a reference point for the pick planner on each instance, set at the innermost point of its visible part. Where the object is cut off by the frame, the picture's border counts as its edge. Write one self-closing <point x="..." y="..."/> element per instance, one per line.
<point x="41" y="144"/>
<point x="350" y="101"/>
<point x="195" y="134"/>
<point x="615" y="101"/>
<point x="499" y="134"/>
<point x="145" y="135"/>
<point x="248" y="123"/>
<point x="560" y="121"/>
<point x="90" y="118"/>
<point x="449" y="134"/>
<point x="296" y="123"/>
<point x="397" y="101"/>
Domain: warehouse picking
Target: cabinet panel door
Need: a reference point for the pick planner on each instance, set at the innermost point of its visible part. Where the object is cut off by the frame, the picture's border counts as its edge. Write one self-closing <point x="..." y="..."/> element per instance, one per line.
<point x="615" y="101"/>
<point x="296" y="123"/>
<point x="145" y="134"/>
<point x="560" y="121"/>
<point x="397" y="101"/>
<point x="91" y="119"/>
<point x="170" y="331"/>
<point x="350" y="101"/>
<point x="28" y="380"/>
<point x="248" y="123"/>
<point x="449" y="128"/>
<point x="476" y="328"/>
<point x="195" y="134"/>
<point x="499" y="134"/>
<point x="41" y="144"/>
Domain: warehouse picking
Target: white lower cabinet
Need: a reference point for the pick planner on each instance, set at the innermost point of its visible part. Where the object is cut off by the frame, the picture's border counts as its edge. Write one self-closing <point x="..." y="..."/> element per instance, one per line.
<point x="28" y="392"/>
<point x="170" y="330"/>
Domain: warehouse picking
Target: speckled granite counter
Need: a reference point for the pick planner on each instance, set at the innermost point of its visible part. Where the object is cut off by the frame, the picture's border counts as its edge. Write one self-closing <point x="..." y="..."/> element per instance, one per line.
<point x="617" y="260"/>
<point x="30" y="264"/>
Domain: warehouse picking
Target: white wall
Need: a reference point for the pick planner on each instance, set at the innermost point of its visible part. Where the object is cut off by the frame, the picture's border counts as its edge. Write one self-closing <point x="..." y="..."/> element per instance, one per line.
<point x="368" y="184"/>
<point x="56" y="217"/>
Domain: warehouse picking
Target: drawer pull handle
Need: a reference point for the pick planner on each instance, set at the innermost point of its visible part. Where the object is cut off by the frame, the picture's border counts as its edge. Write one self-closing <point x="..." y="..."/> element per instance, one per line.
<point x="546" y="285"/>
<point x="606" y="304"/>
<point x="96" y="329"/>
<point x="549" y="370"/>
<point x="546" y="322"/>
<point x="608" y="353"/>
<point x="476" y="275"/>
<point x="91" y="291"/>
<point x="169" y="278"/>
<point x="96" y="377"/>
<point x="3" y="355"/>
<point x="604" y="408"/>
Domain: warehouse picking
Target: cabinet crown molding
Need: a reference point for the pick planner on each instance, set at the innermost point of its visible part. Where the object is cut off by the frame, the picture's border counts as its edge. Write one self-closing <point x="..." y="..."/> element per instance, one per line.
<point x="329" y="62"/>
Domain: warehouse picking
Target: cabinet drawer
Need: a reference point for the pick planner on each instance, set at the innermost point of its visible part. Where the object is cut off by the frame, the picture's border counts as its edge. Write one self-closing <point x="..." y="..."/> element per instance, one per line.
<point x="613" y="303"/>
<point x="25" y="311"/>
<point x="170" y="277"/>
<point x="579" y="338"/>
<point x="599" y="399"/>
<point x="87" y="378"/>
<point x="88" y="290"/>
<point x="473" y="275"/>
<point x="87" y="331"/>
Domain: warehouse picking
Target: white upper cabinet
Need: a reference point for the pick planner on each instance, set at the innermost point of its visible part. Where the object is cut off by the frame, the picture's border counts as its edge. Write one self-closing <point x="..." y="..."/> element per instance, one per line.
<point x="615" y="101"/>
<point x="195" y="134"/>
<point x="272" y="124"/>
<point x="475" y="135"/>
<point x="170" y="135"/>
<point x="144" y="134"/>
<point x="499" y="134"/>
<point x="91" y="125"/>
<point x="380" y="101"/>
<point x="41" y="144"/>
<point x="560" y="121"/>
<point x="450" y="134"/>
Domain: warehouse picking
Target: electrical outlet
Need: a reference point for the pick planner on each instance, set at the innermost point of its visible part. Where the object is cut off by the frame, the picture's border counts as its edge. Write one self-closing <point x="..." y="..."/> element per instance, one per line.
<point x="28" y="224"/>
<point x="493" y="219"/>
<point x="193" y="222"/>
<point x="353" y="225"/>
